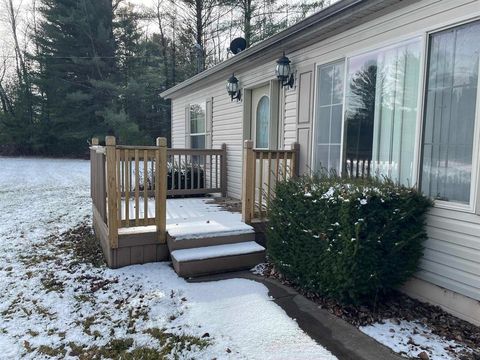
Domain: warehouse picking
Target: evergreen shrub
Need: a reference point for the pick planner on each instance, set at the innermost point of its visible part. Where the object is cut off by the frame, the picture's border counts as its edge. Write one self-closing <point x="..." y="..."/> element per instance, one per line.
<point x="353" y="240"/>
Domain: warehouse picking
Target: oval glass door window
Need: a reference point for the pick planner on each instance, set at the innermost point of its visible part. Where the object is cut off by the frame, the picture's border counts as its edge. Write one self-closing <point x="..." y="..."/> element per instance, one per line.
<point x="262" y="123"/>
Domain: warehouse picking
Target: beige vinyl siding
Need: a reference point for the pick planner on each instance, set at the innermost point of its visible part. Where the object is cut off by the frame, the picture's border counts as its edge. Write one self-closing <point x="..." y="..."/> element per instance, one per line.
<point x="178" y="124"/>
<point x="290" y="122"/>
<point x="452" y="254"/>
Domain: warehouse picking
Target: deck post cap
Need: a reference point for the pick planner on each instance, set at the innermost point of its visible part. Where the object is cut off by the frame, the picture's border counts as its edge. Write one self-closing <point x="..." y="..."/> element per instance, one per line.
<point x="248" y="144"/>
<point x="110" y="140"/>
<point x="161" y="141"/>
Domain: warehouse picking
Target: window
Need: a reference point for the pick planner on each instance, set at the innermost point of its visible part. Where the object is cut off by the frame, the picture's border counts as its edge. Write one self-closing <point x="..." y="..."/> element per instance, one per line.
<point x="450" y="105"/>
<point x="381" y="112"/>
<point x="197" y="126"/>
<point x="328" y="122"/>
<point x="262" y="123"/>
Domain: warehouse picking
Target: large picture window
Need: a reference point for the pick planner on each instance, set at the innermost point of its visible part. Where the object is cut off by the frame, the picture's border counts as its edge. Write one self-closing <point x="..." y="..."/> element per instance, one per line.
<point x="453" y="65"/>
<point x="197" y="126"/>
<point x="381" y="112"/>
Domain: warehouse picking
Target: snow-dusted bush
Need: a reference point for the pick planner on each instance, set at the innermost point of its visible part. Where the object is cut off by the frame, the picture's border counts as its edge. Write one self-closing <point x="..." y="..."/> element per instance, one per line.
<point x="350" y="239"/>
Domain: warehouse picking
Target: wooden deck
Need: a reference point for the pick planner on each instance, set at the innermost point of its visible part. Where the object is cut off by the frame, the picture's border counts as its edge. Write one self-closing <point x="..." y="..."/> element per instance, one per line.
<point x="191" y="222"/>
<point x="136" y="223"/>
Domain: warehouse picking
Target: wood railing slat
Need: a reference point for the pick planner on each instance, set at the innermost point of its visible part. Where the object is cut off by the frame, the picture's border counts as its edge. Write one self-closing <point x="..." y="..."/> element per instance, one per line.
<point x="145" y="187"/>
<point x="192" y="185"/>
<point x="119" y="186"/>
<point x="179" y="172"/>
<point x="211" y="170"/>
<point x="137" y="188"/>
<point x="254" y="173"/>
<point x="269" y="184"/>
<point x="127" y="188"/>
<point x="277" y="163"/>
<point x="260" y="185"/>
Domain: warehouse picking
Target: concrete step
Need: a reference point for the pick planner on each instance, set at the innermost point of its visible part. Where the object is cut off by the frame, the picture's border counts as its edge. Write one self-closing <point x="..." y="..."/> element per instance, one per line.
<point x="196" y="242"/>
<point x="219" y="258"/>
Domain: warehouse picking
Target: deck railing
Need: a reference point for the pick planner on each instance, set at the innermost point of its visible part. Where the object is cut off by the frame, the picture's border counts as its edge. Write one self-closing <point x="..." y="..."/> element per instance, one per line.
<point x="141" y="184"/>
<point x="262" y="169"/>
<point x="130" y="184"/>
<point x="197" y="171"/>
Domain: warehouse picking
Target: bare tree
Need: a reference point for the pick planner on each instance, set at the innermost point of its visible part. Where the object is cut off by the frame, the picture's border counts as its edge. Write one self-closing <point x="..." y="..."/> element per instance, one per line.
<point x="198" y="17"/>
<point x="12" y="18"/>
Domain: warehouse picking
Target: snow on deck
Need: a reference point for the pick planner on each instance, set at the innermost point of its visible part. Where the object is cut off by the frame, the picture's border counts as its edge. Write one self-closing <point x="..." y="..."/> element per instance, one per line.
<point x="210" y="252"/>
<point x="57" y="300"/>
<point x="199" y="218"/>
<point x="192" y="218"/>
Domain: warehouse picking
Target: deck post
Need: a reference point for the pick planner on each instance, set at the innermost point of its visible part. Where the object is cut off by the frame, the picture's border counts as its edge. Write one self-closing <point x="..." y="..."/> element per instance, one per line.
<point x="112" y="191"/>
<point x="93" y="168"/>
<point x="295" y="159"/>
<point x="161" y="189"/>
<point x="223" y="171"/>
<point x="248" y="181"/>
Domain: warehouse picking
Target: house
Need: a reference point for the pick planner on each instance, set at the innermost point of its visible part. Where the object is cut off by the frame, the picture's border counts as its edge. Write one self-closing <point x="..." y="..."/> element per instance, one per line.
<point x="384" y="86"/>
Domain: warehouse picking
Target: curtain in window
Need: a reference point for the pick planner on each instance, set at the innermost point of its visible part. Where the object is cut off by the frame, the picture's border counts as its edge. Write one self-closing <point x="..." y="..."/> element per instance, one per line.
<point x="450" y="113"/>
<point x="381" y="112"/>
<point x="396" y="112"/>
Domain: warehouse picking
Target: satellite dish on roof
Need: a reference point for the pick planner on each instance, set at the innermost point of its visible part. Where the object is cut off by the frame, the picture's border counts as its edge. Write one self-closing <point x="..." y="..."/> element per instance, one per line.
<point x="237" y="45"/>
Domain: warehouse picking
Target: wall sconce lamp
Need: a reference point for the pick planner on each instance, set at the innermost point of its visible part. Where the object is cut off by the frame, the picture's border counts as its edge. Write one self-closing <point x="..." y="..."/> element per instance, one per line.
<point x="282" y="70"/>
<point x="233" y="88"/>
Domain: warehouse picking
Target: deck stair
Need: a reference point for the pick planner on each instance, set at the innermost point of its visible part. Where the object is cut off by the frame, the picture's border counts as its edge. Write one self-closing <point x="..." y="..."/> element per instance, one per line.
<point x="209" y="247"/>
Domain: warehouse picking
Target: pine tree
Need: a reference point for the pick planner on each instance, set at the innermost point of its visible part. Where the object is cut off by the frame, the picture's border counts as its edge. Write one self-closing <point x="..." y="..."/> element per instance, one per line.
<point x="76" y="53"/>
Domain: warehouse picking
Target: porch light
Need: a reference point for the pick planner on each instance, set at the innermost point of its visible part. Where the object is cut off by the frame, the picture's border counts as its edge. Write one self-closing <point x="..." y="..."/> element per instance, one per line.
<point x="282" y="70"/>
<point x="233" y="88"/>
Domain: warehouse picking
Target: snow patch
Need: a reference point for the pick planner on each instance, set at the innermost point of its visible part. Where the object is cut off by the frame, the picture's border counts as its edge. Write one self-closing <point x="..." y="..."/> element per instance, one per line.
<point x="411" y="338"/>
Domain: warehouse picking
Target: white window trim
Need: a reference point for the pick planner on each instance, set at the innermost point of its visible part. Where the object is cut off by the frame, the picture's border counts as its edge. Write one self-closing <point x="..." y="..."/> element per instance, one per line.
<point x="472" y="206"/>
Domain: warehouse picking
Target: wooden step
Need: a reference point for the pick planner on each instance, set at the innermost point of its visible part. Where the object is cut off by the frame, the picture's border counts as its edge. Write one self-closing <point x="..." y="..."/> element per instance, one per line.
<point x="189" y="243"/>
<point x="219" y="258"/>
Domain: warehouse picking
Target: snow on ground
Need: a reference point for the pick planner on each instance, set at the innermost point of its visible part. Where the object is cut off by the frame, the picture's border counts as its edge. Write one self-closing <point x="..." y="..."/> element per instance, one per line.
<point x="53" y="305"/>
<point x="412" y="338"/>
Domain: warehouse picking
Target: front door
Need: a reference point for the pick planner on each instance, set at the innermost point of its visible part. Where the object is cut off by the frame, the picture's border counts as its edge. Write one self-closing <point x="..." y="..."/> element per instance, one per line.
<point x="261" y="116"/>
